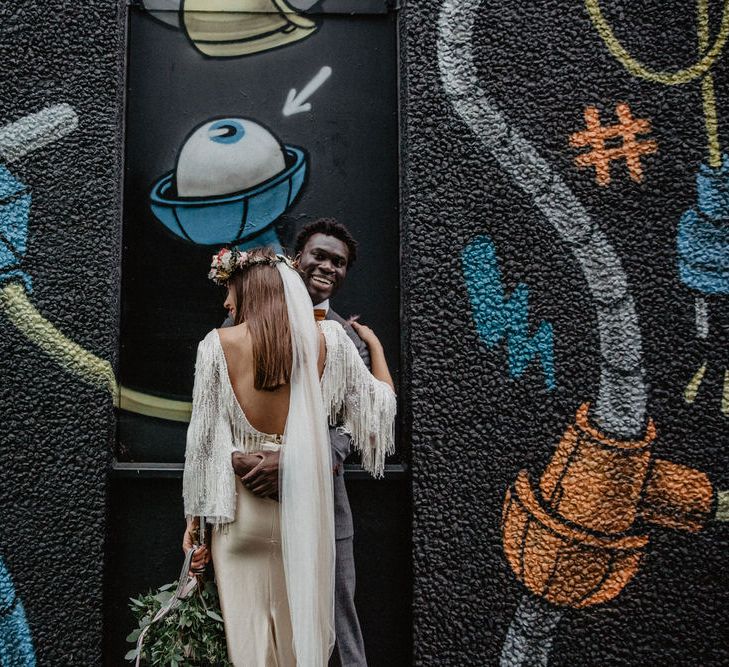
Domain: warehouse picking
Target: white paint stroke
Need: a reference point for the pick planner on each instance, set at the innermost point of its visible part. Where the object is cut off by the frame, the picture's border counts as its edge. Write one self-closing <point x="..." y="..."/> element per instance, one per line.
<point x="297" y="103"/>
<point x="702" y="317"/>
<point x="35" y="131"/>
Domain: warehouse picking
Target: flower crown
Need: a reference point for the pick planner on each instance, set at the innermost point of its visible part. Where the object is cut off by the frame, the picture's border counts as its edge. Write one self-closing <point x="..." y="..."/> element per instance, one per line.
<point x="226" y="262"/>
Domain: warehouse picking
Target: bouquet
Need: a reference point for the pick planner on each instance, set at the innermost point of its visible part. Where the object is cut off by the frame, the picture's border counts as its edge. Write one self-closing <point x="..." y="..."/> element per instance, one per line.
<point x="191" y="635"/>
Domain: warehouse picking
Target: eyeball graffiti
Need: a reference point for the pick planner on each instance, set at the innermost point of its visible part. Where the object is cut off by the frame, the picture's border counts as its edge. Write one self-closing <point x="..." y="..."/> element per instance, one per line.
<point x="227" y="155"/>
<point x="232" y="180"/>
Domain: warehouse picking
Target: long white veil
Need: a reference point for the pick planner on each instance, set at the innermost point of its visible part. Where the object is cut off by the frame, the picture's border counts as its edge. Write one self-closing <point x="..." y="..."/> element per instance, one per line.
<point x="306" y="489"/>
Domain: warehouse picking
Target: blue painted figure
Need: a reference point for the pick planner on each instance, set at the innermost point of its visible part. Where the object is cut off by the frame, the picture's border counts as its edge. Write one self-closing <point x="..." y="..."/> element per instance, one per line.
<point x="497" y="316"/>
<point x="14" y="211"/>
<point x="16" y="645"/>
<point x="703" y="233"/>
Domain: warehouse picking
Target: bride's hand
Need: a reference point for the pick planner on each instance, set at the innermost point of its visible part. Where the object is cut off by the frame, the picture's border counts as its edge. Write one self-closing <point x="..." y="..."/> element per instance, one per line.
<point x="201" y="557"/>
<point x="366" y="334"/>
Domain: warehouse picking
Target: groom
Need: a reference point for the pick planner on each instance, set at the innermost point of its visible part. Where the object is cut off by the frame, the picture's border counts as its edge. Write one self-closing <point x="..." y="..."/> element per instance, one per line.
<point x="325" y="250"/>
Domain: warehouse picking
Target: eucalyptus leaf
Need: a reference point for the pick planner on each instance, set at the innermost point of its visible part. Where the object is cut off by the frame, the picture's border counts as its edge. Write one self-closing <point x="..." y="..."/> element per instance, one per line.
<point x="164" y="597"/>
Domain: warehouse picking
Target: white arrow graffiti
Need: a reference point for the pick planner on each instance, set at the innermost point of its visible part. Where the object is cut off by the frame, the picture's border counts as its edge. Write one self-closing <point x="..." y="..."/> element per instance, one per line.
<point x="296" y="103"/>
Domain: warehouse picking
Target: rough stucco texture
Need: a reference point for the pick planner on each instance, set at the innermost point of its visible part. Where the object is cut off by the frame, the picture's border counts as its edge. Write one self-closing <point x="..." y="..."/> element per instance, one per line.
<point x="56" y="418"/>
<point x="536" y="283"/>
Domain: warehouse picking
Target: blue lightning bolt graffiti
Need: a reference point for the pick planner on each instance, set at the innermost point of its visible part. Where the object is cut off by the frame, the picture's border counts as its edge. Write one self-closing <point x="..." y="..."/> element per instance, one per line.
<point x="16" y="646"/>
<point x="498" y="317"/>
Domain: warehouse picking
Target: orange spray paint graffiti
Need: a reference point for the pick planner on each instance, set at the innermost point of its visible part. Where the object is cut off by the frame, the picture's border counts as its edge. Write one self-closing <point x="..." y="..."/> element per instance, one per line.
<point x="579" y="539"/>
<point x="595" y="135"/>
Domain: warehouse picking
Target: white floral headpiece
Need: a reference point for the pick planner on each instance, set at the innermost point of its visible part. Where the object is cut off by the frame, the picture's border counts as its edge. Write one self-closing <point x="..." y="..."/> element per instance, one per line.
<point x="226" y="262"/>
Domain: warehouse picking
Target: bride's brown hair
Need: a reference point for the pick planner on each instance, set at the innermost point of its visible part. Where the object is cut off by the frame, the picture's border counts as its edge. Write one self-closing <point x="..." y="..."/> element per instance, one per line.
<point x="261" y="304"/>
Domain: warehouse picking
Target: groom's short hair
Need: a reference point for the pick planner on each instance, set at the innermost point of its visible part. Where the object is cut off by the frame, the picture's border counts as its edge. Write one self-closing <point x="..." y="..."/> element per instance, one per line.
<point x="328" y="227"/>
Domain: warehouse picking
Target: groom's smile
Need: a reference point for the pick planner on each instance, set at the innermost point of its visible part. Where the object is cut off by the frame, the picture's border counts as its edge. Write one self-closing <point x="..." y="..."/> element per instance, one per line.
<point x="323" y="266"/>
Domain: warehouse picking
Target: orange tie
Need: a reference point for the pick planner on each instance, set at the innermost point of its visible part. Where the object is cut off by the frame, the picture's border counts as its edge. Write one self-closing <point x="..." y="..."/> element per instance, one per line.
<point x="320" y="314"/>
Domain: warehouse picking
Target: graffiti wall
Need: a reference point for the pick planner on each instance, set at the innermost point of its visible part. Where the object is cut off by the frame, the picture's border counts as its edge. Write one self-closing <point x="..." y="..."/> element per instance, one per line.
<point x="59" y="242"/>
<point x="564" y="302"/>
<point x="566" y="166"/>
<point x="239" y="127"/>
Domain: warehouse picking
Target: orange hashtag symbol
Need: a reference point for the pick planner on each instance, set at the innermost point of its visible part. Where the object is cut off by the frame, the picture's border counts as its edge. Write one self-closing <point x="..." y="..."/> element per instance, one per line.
<point x="625" y="131"/>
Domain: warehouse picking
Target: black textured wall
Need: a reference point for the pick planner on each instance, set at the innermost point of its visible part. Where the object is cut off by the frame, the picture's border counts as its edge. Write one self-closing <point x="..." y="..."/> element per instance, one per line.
<point x="58" y="333"/>
<point x="576" y="288"/>
<point x="533" y="286"/>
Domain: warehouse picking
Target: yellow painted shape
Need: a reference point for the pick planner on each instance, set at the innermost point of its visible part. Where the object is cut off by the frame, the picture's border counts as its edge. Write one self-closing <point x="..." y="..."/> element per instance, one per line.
<point x="154" y="406"/>
<point x="19" y="310"/>
<point x="707" y="89"/>
<point x="636" y="68"/>
<point x="16" y="306"/>
<point x="231" y="28"/>
<point x="693" y="386"/>
<point x="722" y="506"/>
<point x="725" y="395"/>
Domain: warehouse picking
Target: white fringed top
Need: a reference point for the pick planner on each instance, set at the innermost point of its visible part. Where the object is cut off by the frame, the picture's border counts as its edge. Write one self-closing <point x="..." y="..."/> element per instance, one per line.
<point x="354" y="400"/>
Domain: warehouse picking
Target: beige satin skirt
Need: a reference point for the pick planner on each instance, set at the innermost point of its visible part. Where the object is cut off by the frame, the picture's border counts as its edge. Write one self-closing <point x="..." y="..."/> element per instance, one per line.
<point x="250" y="577"/>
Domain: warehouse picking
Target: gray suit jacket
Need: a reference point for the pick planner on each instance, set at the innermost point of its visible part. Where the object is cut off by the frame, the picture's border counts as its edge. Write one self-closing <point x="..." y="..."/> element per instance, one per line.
<point x="342" y="446"/>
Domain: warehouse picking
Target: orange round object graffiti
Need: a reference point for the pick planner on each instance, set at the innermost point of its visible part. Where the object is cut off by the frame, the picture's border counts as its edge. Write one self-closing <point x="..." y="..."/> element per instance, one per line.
<point x="562" y="563"/>
<point x="573" y="541"/>
<point x="596" y="481"/>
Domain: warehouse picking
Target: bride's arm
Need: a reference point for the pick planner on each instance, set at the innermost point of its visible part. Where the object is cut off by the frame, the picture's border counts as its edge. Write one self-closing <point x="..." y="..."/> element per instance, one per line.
<point x="208" y="481"/>
<point x="363" y="403"/>
<point x="377" y="353"/>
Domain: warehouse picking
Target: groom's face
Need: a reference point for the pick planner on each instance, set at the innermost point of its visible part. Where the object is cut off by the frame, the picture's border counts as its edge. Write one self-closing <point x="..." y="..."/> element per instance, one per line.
<point x="323" y="266"/>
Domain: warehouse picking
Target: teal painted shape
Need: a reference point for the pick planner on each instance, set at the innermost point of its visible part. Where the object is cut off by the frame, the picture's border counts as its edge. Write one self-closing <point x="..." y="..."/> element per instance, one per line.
<point x="16" y="643"/>
<point x="15" y="203"/>
<point x="500" y="317"/>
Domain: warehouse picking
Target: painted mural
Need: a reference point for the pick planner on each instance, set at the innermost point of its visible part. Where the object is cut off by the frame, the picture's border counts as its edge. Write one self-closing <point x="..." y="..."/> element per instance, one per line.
<point x="232" y="180"/>
<point x="244" y="161"/>
<point x="577" y="532"/>
<point x="16" y="642"/>
<point x="253" y="134"/>
<point x="235" y="28"/>
<point x="17" y="140"/>
<point x="498" y="317"/>
<point x="59" y="232"/>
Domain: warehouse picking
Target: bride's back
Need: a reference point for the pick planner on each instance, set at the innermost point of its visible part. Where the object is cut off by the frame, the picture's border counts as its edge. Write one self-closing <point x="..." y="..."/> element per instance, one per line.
<point x="265" y="409"/>
<point x="258" y="350"/>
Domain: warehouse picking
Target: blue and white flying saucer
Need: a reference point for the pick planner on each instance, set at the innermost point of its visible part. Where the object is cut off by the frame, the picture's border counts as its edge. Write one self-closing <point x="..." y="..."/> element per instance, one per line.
<point x="232" y="180"/>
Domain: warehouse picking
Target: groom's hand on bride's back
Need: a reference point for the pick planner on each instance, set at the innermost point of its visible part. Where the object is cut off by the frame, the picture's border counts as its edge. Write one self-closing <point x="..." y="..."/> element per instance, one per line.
<point x="258" y="472"/>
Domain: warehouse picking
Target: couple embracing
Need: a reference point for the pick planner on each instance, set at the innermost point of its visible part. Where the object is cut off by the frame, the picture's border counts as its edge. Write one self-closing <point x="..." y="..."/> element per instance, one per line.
<point x="279" y="398"/>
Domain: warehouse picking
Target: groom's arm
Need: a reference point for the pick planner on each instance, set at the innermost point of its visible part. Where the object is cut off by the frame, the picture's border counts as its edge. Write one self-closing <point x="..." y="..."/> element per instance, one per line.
<point x="258" y="471"/>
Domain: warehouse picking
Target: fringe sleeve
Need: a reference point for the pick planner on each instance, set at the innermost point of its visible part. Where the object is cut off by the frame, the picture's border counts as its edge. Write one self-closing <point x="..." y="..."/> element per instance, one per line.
<point x="208" y="484"/>
<point x="363" y="406"/>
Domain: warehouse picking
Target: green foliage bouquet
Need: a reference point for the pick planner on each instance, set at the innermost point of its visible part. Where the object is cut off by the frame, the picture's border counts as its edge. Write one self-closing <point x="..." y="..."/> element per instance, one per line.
<point x="191" y="635"/>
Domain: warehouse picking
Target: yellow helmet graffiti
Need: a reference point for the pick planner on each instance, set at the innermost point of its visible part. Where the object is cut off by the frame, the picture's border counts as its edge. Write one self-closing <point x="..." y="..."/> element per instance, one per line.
<point x="230" y="28"/>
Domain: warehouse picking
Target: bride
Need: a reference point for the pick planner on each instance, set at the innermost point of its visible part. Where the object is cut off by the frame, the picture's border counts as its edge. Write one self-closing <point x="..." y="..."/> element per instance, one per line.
<point x="273" y="381"/>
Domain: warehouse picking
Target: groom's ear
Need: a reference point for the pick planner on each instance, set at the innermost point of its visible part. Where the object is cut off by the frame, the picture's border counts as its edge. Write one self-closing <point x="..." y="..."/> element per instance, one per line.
<point x="297" y="258"/>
